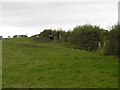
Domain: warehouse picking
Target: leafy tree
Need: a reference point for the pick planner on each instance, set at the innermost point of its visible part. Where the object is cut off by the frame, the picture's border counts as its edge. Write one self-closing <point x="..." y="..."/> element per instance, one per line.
<point x="113" y="43"/>
<point x="46" y="32"/>
<point x="67" y="36"/>
<point x="86" y="37"/>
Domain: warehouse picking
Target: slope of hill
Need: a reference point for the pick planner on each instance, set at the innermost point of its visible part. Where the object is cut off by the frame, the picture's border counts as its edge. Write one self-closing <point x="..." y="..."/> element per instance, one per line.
<point x="0" y="64"/>
<point x="28" y="64"/>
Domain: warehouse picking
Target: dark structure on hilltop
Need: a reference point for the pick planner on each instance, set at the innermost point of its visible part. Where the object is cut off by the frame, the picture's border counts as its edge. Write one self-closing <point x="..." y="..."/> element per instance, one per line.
<point x="1" y="37"/>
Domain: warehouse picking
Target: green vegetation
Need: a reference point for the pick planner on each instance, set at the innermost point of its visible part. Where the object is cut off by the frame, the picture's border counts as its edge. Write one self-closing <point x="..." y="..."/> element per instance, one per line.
<point x="87" y="37"/>
<point x="0" y="64"/>
<point x="90" y="38"/>
<point x="113" y="42"/>
<point x="53" y="65"/>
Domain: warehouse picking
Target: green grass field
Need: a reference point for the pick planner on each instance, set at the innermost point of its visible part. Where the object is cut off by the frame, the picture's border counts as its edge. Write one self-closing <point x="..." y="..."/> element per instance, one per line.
<point x="0" y="64"/>
<point x="28" y="64"/>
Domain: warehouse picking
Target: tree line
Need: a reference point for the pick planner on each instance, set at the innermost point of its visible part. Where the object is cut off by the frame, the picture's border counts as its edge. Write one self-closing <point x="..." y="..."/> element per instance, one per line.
<point x="89" y="38"/>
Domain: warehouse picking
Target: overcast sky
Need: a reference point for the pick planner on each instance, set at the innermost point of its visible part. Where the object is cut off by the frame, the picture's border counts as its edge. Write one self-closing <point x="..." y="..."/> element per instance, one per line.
<point x="33" y="16"/>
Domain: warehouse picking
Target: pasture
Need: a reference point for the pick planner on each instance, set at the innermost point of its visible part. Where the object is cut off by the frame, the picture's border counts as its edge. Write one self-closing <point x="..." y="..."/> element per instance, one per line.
<point x="27" y="64"/>
<point x="0" y="64"/>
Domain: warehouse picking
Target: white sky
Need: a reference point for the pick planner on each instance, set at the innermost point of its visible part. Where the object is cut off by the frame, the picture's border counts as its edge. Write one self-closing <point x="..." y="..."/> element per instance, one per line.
<point x="33" y="16"/>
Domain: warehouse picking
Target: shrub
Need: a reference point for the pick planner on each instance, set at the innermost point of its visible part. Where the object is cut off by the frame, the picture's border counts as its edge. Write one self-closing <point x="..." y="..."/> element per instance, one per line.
<point x="87" y="37"/>
<point x="113" y="43"/>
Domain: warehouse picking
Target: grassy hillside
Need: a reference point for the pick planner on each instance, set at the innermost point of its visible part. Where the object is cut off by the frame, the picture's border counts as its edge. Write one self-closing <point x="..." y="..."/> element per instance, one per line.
<point x="51" y="65"/>
<point x="0" y="64"/>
